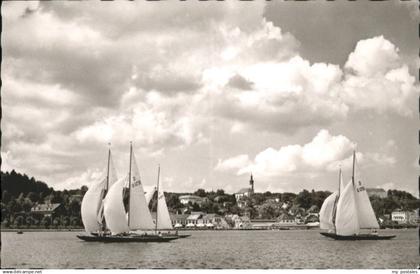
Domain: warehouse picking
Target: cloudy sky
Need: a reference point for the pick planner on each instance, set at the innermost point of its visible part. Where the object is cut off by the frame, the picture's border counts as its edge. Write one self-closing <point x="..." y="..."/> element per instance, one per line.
<point x="212" y="92"/>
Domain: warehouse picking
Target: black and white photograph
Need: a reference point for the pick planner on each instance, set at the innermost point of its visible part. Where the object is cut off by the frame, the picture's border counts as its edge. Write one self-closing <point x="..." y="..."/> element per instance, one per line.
<point x="230" y="135"/>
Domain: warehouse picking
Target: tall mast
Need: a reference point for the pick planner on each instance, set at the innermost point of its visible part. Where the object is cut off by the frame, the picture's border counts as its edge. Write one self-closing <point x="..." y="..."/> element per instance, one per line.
<point x="107" y="170"/>
<point x="336" y="200"/>
<point x="129" y="182"/>
<point x="157" y="201"/>
<point x="354" y="162"/>
<point x="339" y="182"/>
<point x="107" y="184"/>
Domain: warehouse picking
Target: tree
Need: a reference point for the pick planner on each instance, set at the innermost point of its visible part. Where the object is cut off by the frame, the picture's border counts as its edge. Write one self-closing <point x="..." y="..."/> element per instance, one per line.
<point x="234" y="209"/>
<point x="195" y="207"/>
<point x="200" y="192"/>
<point x="83" y="190"/>
<point x="74" y="221"/>
<point x="14" y="206"/>
<point x="27" y="205"/>
<point x="5" y="197"/>
<point x="56" y="222"/>
<point x="65" y="221"/>
<point x="4" y="211"/>
<point x="173" y="201"/>
<point x="33" y="196"/>
<point x="220" y="192"/>
<point x="6" y="222"/>
<point x="46" y="221"/>
<point x="19" y="221"/>
<point x="267" y="211"/>
<point x="288" y="197"/>
<point x="74" y="208"/>
<point x="57" y="198"/>
<point x="304" y="199"/>
<point x="29" y="221"/>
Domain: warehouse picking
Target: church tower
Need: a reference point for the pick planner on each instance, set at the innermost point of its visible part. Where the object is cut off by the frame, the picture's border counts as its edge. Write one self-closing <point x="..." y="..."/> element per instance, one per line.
<point x="251" y="184"/>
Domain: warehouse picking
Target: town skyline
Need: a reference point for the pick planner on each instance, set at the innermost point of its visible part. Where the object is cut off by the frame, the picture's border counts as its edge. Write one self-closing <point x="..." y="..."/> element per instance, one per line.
<point x="212" y="92"/>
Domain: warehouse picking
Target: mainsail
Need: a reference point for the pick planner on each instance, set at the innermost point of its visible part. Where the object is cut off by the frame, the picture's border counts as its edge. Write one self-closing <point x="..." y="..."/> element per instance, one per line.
<point x="162" y="214"/>
<point x="90" y="206"/>
<point x="347" y="220"/>
<point x="114" y="211"/>
<point x="326" y="212"/>
<point x="139" y="217"/>
<point x="92" y="203"/>
<point x="367" y="218"/>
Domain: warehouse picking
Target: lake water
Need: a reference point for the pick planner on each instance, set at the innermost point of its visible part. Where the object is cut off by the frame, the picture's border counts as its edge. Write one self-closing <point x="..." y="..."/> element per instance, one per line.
<point x="211" y="249"/>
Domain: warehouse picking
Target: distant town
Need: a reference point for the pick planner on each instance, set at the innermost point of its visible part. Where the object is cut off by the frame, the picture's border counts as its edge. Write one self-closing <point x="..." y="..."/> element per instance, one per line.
<point x="28" y="203"/>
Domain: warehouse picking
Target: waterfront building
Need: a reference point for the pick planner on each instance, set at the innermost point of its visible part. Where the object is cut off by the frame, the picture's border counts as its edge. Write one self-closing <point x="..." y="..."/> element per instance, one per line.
<point x="214" y="221"/>
<point x="400" y="217"/>
<point x="405" y="217"/>
<point x="286" y="219"/>
<point x="263" y="223"/>
<point x="46" y="209"/>
<point x="193" y="219"/>
<point x="379" y="192"/>
<point x="179" y="220"/>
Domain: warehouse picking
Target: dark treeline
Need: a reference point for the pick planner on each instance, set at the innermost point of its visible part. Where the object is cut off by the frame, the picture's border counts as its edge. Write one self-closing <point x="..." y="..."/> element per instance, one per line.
<point x="21" y="193"/>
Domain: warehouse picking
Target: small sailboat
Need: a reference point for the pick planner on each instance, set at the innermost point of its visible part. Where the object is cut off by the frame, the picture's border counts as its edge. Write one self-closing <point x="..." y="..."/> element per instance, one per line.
<point x="132" y="221"/>
<point x="346" y="212"/>
<point x="163" y="219"/>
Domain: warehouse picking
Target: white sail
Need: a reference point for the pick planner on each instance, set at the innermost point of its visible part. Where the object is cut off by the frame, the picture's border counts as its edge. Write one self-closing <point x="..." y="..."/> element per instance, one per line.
<point x="163" y="217"/>
<point x="326" y="212"/>
<point x="112" y="178"/>
<point x="139" y="216"/>
<point x="114" y="210"/>
<point x="149" y="194"/>
<point x="90" y="206"/>
<point x="347" y="220"/>
<point x="367" y="218"/>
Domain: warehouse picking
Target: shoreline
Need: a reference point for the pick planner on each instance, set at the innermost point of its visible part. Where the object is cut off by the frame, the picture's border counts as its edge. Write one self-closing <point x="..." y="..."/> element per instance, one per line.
<point x="179" y="230"/>
<point x="42" y="229"/>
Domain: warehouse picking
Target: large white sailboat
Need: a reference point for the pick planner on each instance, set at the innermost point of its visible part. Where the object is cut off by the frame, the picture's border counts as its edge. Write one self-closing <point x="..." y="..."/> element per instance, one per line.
<point x="128" y="222"/>
<point x="347" y="211"/>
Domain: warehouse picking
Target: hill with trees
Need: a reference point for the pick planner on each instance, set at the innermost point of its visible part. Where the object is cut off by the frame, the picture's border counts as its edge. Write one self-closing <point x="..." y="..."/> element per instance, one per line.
<point x="21" y="193"/>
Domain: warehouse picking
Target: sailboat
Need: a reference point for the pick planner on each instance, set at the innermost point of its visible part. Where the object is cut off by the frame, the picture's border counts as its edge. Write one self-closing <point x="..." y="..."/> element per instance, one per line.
<point x="129" y="222"/>
<point x="346" y="212"/>
<point x="93" y="201"/>
<point x="163" y="219"/>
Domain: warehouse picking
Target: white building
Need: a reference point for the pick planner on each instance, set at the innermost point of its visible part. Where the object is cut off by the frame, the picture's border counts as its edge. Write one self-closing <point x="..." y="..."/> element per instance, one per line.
<point x="405" y="217"/>
<point x="400" y="217"/>
<point x="185" y="199"/>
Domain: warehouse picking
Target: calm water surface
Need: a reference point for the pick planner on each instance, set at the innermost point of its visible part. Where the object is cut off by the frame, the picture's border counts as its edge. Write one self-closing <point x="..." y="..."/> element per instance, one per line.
<point x="211" y="249"/>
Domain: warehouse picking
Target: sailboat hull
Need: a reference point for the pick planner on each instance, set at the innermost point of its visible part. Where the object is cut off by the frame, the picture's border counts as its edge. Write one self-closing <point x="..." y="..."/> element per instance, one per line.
<point x="357" y="237"/>
<point x="127" y="239"/>
<point x="184" y="236"/>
